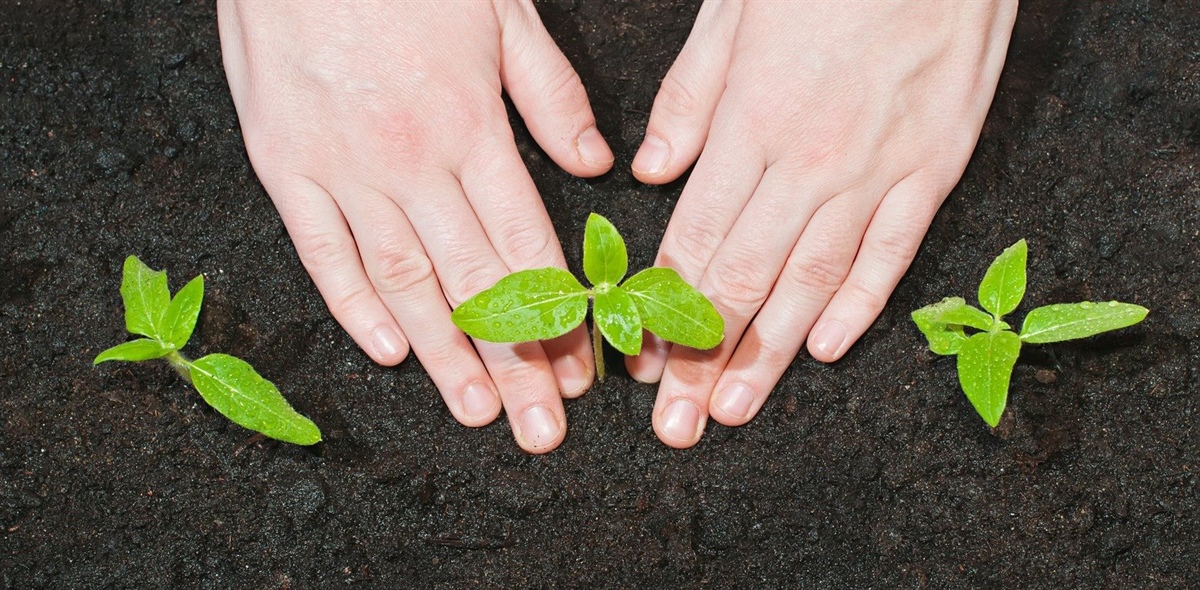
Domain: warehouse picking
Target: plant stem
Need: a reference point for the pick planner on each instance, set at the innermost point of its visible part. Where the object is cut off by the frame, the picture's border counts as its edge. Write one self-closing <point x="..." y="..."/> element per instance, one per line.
<point x="598" y="349"/>
<point x="181" y="364"/>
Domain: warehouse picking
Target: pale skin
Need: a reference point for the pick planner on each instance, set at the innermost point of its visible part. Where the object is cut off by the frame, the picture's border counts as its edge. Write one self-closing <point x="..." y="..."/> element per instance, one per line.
<point x="825" y="135"/>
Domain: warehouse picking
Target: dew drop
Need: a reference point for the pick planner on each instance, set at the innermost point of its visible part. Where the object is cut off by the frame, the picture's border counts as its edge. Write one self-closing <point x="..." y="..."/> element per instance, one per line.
<point x="1113" y="304"/>
<point x="1086" y="305"/>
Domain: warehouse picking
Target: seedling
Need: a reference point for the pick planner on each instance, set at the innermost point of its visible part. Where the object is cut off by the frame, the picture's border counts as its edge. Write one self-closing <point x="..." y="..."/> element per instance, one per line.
<point x="986" y="358"/>
<point x="228" y="384"/>
<point x="544" y="303"/>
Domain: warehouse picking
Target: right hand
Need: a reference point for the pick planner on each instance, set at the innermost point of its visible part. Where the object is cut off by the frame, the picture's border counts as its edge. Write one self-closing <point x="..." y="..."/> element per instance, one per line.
<point x="379" y="131"/>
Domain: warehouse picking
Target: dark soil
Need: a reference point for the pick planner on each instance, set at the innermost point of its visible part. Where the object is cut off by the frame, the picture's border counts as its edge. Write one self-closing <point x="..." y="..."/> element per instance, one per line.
<point x="117" y="136"/>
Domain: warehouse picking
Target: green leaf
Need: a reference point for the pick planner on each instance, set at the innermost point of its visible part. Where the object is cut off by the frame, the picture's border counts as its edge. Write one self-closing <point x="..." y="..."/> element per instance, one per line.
<point x="1069" y="321"/>
<point x="146" y="298"/>
<point x="604" y="257"/>
<point x="955" y="310"/>
<point x="1003" y="285"/>
<point x="232" y="387"/>
<point x="141" y="349"/>
<point x="618" y="320"/>
<point x="969" y="315"/>
<point x="943" y="337"/>
<point x="527" y="305"/>
<point x="674" y="310"/>
<point x="985" y="364"/>
<point x="183" y="312"/>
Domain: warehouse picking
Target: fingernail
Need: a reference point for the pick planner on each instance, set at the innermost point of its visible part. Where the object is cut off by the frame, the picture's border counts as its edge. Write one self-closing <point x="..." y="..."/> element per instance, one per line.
<point x="478" y="401"/>
<point x="592" y="147"/>
<point x="386" y="341"/>
<point x="539" y="427"/>
<point x="652" y="157"/>
<point x="648" y="368"/>
<point x="680" y="420"/>
<point x="573" y="375"/>
<point x="735" y="400"/>
<point x="829" y="337"/>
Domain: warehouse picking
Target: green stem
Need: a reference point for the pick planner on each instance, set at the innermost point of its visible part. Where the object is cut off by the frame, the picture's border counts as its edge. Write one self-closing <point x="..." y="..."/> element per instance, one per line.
<point x="181" y="364"/>
<point x="598" y="349"/>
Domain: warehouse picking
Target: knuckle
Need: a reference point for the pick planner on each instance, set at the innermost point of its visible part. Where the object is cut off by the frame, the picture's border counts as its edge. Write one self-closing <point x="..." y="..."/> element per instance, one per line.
<point x="817" y="274"/>
<point x="529" y="246"/>
<point x="816" y="155"/>
<point x="741" y="283"/>
<point x="867" y="300"/>
<point x="899" y="247"/>
<point x="694" y="240"/>
<point x="774" y="353"/>
<point x="435" y="127"/>
<point x="471" y="278"/>
<point x="446" y="353"/>
<point x="402" y="136"/>
<point x="320" y="250"/>
<point x="564" y="95"/>
<point x="565" y="87"/>
<point x="470" y="110"/>
<point x="323" y="253"/>
<point x="513" y="372"/>
<point x="677" y="97"/>
<point x="771" y="345"/>
<point x="349" y="298"/>
<point x="695" y="373"/>
<point x="400" y="270"/>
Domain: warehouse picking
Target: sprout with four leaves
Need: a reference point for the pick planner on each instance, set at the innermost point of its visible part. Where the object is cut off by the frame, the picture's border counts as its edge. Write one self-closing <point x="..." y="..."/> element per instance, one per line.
<point x="986" y="358"/>
<point x="544" y="303"/>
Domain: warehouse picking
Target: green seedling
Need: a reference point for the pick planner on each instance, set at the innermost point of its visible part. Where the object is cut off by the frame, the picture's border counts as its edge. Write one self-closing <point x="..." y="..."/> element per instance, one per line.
<point x="544" y="303"/>
<point x="986" y="358"/>
<point x="228" y="384"/>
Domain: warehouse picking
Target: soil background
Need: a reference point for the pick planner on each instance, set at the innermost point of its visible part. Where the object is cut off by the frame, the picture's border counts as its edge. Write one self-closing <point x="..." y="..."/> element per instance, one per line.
<point x="118" y="136"/>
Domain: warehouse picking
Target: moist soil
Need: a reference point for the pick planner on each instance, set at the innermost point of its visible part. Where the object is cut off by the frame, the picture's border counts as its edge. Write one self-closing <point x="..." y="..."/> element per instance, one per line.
<point x="118" y="136"/>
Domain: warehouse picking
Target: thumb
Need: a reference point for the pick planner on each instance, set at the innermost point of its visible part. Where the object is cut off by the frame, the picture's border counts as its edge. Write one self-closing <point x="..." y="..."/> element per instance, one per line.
<point x="683" y="109"/>
<point x="548" y="93"/>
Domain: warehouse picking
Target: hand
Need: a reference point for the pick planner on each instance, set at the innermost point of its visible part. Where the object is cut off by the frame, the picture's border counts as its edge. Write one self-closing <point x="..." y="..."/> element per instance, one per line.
<point x="828" y="135"/>
<point x="379" y="131"/>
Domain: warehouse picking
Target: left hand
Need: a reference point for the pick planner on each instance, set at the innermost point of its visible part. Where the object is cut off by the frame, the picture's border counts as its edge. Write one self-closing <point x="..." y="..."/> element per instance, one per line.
<point x="379" y="131"/>
<point x="831" y="133"/>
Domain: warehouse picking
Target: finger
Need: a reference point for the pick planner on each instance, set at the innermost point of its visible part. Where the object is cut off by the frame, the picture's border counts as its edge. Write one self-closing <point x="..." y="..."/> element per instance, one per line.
<point x="647" y="366"/>
<point x="403" y="275"/>
<point x="737" y="281"/>
<point x="815" y="270"/>
<point x="327" y="249"/>
<point x="507" y="204"/>
<point x="466" y="263"/>
<point x="888" y="248"/>
<point x="725" y="176"/>
<point x="531" y="398"/>
<point x="548" y="93"/>
<point x="685" y="103"/>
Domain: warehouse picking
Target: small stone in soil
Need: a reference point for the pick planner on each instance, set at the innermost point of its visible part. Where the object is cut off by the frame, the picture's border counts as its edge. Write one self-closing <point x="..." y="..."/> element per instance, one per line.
<point x="1108" y="245"/>
<point x="114" y="161"/>
<point x="176" y="60"/>
<point x="189" y="131"/>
